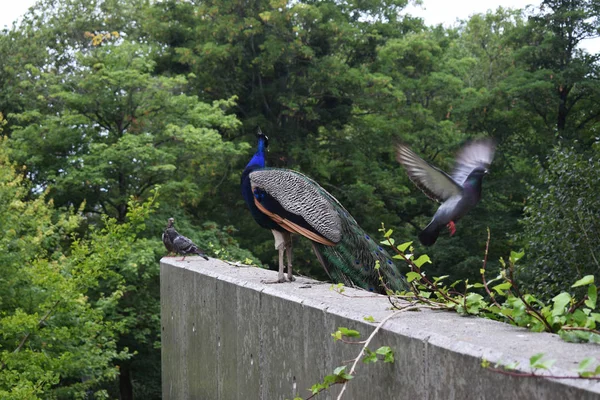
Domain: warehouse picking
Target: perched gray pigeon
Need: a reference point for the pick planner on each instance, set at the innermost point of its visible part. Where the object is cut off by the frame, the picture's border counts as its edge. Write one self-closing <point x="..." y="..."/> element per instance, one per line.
<point x="458" y="192"/>
<point x="166" y="239"/>
<point x="176" y="243"/>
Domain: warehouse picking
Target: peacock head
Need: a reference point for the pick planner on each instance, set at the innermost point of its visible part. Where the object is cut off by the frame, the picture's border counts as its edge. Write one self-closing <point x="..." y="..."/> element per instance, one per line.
<point x="258" y="160"/>
<point x="170" y="223"/>
<point x="263" y="140"/>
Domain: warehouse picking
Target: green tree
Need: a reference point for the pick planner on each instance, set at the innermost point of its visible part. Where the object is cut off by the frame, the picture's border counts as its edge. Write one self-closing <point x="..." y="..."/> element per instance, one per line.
<point x="561" y="225"/>
<point x="555" y="81"/>
<point x="111" y="130"/>
<point x="57" y="338"/>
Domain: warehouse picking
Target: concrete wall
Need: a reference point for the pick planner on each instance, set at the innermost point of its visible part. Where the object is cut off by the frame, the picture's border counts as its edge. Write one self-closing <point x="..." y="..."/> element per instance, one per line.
<point x="226" y="335"/>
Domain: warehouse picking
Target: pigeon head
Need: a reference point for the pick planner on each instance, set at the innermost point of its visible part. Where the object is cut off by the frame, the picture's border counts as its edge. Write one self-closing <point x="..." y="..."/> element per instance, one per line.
<point x="475" y="177"/>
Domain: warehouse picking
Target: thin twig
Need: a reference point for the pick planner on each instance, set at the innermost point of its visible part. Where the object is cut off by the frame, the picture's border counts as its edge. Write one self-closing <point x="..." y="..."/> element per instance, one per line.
<point x="580" y="328"/>
<point x="238" y="264"/>
<point x="530" y="310"/>
<point x="485" y="284"/>
<point x="320" y="390"/>
<point x="424" y="279"/>
<point x="371" y="336"/>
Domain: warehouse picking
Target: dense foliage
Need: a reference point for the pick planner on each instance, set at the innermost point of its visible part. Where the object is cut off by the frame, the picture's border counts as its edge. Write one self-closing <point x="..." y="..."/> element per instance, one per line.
<point x="561" y="221"/>
<point x="103" y="102"/>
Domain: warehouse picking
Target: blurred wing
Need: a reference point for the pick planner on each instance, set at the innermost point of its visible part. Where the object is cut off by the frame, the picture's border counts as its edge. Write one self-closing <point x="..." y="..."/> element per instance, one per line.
<point x="434" y="182"/>
<point x="478" y="153"/>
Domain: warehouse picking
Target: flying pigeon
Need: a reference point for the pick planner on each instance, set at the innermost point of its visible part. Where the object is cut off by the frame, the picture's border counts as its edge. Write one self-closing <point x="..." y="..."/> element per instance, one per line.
<point x="458" y="192"/>
<point x="176" y="243"/>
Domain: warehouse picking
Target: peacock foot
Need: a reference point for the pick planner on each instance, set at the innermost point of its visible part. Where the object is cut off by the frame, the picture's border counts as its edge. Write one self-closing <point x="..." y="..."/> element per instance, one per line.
<point x="280" y="280"/>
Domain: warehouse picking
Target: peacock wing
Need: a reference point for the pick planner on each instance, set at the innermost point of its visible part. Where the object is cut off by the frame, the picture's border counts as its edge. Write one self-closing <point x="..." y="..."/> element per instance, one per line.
<point x="297" y="204"/>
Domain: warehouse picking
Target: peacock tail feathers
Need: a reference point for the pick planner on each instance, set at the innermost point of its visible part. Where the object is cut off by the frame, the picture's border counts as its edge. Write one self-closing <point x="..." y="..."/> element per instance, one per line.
<point x="352" y="261"/>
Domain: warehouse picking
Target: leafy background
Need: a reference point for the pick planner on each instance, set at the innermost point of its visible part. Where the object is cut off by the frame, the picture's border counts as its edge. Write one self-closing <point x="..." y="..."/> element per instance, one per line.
<point x="120" y="114"/>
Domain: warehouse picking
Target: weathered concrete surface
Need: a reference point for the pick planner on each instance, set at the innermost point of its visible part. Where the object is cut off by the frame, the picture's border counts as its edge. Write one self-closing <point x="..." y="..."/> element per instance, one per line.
<point x="226" y="335"/>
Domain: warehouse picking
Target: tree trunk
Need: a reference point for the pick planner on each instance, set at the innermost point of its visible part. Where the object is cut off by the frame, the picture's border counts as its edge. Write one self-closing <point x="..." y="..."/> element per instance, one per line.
<point x="561" y="121"/>
<point x="125" y="385"/>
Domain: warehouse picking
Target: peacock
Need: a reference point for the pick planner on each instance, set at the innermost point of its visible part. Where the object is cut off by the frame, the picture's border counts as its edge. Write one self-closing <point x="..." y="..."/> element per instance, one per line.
<point x="176" y="243"/>
<point x="288" y="202"/>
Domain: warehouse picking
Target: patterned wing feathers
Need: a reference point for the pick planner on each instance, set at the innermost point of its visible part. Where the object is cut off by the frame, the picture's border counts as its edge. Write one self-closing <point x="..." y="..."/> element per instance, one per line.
<point x="292" y="227"/>
<point x="300" y="196"/>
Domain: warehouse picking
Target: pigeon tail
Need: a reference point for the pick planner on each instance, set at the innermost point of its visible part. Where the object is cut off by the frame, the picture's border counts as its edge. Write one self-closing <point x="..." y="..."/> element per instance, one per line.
<point x="429" y="235"/>
<point x="201" y="254"/>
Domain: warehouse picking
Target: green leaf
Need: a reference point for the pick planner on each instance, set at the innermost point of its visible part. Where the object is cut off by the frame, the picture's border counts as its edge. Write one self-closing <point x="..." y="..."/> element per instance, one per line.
<point x="349" y="332"/>
<point x="422" y="260"/>
<point x="339" y="370"/>
<point x="586" y="280"/>
<point x="514" y="256"/>
<point x="388" y="233"/>
<point x="511" y="366"/>
<point x="402" y="247"/>
<point x="369" y="319"/>
<point x="440" y="278"/>
<point x="387" y="353"/>
<point x="585" y="364"/>
<point x="560" y="302"/>
<point x="501" y="288"/>
<point x="388" y="242"/>
<point x="369" y="357"/>
<point x="592" y="297"/>
<point x="535" y="358"/>
<point x="411" y="276"/>
<point x="341" y="373"/>
<point x="544" y="365"/>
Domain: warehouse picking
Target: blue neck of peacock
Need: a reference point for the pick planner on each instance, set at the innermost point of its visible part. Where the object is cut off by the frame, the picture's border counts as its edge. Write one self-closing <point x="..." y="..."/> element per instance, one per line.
<point x="258" y="160"/>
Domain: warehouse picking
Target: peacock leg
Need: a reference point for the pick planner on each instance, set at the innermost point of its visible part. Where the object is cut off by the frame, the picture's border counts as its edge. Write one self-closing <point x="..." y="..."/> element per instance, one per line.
<point x="280" y="246"/>
<point x="288" y="248"/>
<point x="280" y="275"/>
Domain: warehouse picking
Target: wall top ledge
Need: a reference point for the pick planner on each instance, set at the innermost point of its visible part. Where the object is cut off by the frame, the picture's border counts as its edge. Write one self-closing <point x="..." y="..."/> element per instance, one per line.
<point x="470" y="336"/>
